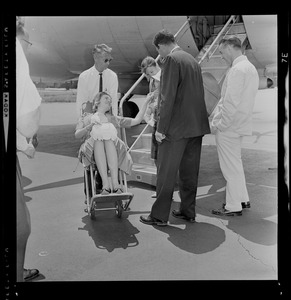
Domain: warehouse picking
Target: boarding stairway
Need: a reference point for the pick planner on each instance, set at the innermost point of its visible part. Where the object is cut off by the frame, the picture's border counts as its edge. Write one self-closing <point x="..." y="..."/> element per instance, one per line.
<point x="209" y="57"/>
<point x="144" y="169"/>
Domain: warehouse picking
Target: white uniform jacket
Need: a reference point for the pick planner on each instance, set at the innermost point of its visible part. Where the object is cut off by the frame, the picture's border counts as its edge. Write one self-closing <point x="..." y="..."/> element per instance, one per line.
<point x="234" y="110"/>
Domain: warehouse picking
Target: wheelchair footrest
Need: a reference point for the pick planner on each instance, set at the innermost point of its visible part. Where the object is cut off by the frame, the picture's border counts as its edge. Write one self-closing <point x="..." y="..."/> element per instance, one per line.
<point x="111" y="197"/>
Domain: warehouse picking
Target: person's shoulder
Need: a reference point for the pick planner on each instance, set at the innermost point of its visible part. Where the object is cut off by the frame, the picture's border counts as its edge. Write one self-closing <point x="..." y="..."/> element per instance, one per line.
<point x="111" y="73"/>
<point x="243" y="65"/>
<point x="179" y="54"/>
<point x="184" y="54"/>
<point x="87" y="72"/>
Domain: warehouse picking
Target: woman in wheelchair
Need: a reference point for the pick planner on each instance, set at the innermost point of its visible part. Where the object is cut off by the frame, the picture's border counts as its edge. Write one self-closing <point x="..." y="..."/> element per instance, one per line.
<point x="102" y="144"/>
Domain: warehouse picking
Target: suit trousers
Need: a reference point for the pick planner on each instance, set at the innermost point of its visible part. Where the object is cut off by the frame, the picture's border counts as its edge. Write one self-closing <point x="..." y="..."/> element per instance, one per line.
<point x="177" y="157"/>
<point x="23" y="223"/>
<point x="229" y="154"/>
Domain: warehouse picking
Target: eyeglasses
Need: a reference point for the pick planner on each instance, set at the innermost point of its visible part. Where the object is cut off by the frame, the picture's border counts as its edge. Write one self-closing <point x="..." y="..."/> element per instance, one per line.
<point x="29" y="43"/>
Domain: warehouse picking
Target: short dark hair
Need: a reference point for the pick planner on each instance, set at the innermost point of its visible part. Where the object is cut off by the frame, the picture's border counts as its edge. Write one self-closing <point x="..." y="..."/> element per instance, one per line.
<point x="163" y="37"/>
<point x="231" y="40"/>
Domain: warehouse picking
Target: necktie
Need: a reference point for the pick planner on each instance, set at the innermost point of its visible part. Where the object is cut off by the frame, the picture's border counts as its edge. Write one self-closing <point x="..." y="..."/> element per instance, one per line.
<point x="100" y="83"/>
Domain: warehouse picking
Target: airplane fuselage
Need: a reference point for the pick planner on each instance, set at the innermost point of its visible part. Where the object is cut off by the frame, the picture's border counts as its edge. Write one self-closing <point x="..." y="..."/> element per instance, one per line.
<point x="61" y="46"/>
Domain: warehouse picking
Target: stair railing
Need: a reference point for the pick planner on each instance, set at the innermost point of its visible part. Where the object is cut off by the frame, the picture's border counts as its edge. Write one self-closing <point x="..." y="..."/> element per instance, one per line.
<point x="136" y="83"/>
<point x="232" y="18"/>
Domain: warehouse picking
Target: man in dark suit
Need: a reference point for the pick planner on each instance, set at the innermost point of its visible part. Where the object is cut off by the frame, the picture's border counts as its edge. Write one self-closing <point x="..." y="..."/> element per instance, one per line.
<point x="182" y="122"/>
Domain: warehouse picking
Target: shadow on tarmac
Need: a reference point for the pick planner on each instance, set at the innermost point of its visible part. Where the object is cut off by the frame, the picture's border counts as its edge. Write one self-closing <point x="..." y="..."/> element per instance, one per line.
<point x="120" y="233"/>
<point x="196" y="238"/>
<point x="110" y="233"/>
<point x="252" y="225"/>
<point x="56" y="184"/>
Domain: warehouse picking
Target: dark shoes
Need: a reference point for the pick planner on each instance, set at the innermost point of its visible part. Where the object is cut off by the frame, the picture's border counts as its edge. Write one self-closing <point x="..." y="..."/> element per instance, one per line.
<point x="118" y="191"/>
<point x="225" y="212"/>
<point x="152" y="221"/>
<point x="107" y="191"/>
<point x="149" y="220"/>
<point x="243" y="205"/>
<point x="246" y="205"/>
<point x="177" y="214"/>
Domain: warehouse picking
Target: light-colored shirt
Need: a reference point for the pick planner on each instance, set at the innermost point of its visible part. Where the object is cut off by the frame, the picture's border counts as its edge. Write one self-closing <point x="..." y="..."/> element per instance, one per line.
<point x="21" y="141"/>
<point x="88" y="87"/>
<point x="234" y="110"/>
<point x="27" y="96"/>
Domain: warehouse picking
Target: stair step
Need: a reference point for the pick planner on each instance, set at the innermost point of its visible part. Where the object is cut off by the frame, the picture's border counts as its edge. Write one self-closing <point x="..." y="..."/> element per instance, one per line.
<point x="133" y="132"/>
<point x="144" y="135"/>
<point x="216" y="53"/>
<point x="236" y="28"/>
<point x="142" y="156"/>
<point x="144" y="141"/>
<point x="215" y="64"/>
<point x="142" y="173"/>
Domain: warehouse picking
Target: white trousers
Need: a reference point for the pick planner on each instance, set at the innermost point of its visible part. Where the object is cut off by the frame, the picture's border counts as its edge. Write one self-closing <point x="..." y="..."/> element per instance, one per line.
<point x="229" y="154"/>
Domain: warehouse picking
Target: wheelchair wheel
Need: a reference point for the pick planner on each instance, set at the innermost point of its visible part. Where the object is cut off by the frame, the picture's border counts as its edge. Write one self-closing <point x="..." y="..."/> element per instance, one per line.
<point x="119" y="209"/>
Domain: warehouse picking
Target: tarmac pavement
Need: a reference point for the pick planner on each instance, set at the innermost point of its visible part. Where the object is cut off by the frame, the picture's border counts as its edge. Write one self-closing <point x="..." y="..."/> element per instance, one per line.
<point x="66" y="245"/>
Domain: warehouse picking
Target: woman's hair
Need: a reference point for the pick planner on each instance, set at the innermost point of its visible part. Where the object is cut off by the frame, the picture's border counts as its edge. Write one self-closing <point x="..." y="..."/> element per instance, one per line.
<point x="97" y="100"/>
<point x="147" y="62"/>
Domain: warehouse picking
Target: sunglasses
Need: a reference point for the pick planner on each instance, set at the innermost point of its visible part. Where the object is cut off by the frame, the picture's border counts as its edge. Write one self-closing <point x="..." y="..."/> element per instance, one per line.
<point x="107" y="60"/>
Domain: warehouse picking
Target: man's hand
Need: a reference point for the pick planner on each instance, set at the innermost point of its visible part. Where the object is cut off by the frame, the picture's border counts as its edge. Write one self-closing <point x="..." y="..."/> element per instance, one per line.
<point x="213" y="129"/>
<point x="159" y="136"/>
<point x="29" y="151"/>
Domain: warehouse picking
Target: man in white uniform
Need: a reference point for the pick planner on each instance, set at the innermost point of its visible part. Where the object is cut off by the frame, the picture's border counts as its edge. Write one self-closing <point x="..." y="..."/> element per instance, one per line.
<point x="89" y="80"/>
<point x="232" y="119"/>
<point x="94" y="80"/>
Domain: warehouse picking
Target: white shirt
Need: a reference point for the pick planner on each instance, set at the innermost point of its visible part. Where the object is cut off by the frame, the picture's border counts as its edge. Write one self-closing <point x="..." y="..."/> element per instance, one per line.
<point x="157" y="76"/>
<point x="27" y="96"/>
<point x="234" y="110"/>
<point x="88" y="87"/>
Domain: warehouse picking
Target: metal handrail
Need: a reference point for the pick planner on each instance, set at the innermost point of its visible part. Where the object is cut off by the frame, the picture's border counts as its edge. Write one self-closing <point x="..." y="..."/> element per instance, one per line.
<point x="218" y="36"/>
<point x="142" y="76"/>
<point x="135" y="84"/>
<point x="223" y="37"/>
<point x="133" y="144"/>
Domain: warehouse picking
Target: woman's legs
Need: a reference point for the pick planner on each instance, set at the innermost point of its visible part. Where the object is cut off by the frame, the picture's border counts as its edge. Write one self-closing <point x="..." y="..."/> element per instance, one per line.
<point x="101" y="162"/>
<point x="112" y="159"/>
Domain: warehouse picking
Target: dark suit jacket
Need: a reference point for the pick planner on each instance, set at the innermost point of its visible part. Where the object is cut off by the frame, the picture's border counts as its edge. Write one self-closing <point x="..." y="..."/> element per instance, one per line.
<point x="182" y="109"/>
